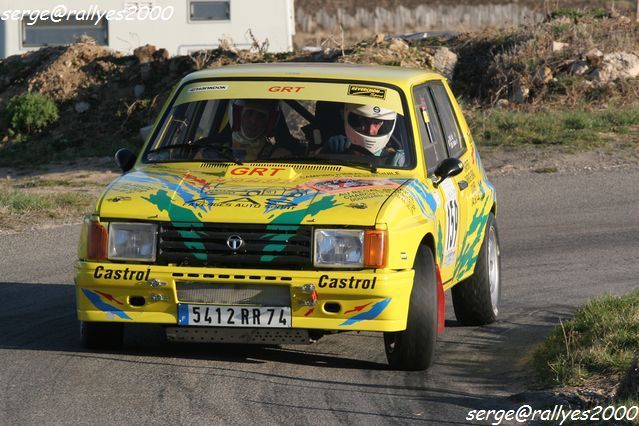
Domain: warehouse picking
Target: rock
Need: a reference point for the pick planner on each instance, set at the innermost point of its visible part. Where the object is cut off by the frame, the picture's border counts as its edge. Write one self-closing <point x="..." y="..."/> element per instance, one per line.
<point x="579" y="68"/>
<point x="444" y="61"/>
<point x="138" y="90"/>
<point x="161" y="55"/>
<point x="503" y="103"/>
<point x="616" y="65"/>
<point x="594" y="56"/>
<point x="311" y="49"/>
<point x="626" y="63"/>
<point x="398" y="45"/>
<point x="85" y="39"/>
<point x="599" y="75"/>
<point x="81" y="107"/>
<point x="144" y="53"/>
<point x="558" y="46"/>
<point x="544" y="74"/>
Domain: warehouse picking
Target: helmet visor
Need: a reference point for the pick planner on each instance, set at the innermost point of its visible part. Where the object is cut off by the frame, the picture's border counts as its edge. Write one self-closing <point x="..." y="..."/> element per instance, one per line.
<point x="370" y="126"/>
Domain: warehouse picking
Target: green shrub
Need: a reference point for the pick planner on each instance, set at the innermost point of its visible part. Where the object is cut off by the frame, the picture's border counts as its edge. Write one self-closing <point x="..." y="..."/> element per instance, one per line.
<point x="31" y="112"/>
<point x="566" y="12"/>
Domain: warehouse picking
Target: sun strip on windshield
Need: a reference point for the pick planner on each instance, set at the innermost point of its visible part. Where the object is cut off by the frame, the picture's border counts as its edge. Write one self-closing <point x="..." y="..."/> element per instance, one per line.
<point x="299" y="90"/>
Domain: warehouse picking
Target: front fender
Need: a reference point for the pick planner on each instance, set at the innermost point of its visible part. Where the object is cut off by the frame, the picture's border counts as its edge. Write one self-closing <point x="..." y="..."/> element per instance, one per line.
<point x="410" y="215"/>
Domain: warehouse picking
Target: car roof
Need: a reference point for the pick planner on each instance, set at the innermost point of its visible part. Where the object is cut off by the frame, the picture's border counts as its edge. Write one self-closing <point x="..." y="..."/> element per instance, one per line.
<point x="328" y="71"/>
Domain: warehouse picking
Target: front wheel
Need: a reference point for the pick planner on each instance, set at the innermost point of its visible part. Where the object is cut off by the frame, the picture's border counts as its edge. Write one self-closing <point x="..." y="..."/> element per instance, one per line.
<point x="476" y="299"/>
<point x="414" y="348"/>
<point x="101" y="335"/>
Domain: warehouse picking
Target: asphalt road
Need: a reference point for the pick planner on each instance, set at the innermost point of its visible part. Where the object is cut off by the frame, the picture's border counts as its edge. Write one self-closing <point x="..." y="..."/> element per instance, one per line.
<point x="564" y="239"/>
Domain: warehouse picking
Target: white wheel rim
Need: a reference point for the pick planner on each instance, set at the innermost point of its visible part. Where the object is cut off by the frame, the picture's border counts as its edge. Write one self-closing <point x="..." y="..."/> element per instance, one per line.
<point x="493" y="269"/>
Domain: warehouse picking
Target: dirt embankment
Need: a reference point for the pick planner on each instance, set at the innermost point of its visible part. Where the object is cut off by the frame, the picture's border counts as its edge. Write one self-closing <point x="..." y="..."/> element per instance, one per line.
<point x="105" y="97"/>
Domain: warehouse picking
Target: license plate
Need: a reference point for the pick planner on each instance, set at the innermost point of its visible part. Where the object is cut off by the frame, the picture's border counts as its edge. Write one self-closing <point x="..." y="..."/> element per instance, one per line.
<point x="234" y="316"/>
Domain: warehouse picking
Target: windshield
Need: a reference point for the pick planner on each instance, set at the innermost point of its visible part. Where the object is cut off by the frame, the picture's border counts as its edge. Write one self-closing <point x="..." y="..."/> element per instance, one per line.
<point x="341" y="124"/>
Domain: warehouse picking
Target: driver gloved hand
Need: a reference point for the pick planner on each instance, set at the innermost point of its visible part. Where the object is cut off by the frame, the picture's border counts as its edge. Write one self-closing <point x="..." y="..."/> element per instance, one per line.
<point x="338" y="143"/>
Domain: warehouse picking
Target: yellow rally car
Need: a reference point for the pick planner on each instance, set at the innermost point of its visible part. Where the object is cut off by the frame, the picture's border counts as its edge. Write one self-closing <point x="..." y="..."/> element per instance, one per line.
<point x="275" y="203"/>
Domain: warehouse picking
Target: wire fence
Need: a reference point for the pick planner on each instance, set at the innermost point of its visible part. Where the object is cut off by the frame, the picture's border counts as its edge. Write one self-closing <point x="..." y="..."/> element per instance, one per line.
<point x="461" y="17"/>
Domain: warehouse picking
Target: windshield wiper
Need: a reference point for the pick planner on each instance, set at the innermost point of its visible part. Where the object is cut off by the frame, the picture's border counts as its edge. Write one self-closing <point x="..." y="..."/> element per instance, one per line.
<point x="370" y="166"/>
<point x="167" y="147"/>
<point x="222" y="152"/>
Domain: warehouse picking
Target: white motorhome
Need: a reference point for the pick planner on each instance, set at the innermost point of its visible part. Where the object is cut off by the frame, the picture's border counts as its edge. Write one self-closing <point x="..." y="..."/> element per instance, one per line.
<point x="181" y="27"/>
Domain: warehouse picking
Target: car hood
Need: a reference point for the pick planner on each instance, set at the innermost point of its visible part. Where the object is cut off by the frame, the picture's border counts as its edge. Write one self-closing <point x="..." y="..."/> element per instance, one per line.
<point x="279" y="194"/>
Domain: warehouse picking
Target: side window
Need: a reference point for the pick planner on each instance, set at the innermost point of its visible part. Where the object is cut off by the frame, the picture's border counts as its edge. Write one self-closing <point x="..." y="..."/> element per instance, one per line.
<point x="210" y="10"/>
<point x="452" y="135"/>
<point x="205" y="124"/>
<point x="429" y="127"/>
<point x="178" y="126"/>
<point x="68" y="29"/>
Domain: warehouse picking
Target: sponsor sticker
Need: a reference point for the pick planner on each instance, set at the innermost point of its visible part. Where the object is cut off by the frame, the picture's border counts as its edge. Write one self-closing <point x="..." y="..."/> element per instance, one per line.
<point x="371" y="92"/>
<point x="325" y="281"/>
<point x="335" y="186"/>
<point x="121" y="274"/>
<point x="208" y="88"/>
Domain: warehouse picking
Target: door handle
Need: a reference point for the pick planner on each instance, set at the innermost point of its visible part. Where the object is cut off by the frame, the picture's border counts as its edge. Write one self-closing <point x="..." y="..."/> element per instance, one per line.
<point x="462" y="185"/>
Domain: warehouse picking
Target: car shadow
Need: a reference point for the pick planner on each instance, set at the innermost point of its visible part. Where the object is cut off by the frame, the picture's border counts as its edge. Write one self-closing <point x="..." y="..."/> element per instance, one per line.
<point x="43" y="317"/>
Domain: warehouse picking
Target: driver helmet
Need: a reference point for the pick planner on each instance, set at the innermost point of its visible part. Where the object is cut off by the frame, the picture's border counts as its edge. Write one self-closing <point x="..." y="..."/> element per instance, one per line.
<point x="254" y="118"/>
<point x="369" y="126"/>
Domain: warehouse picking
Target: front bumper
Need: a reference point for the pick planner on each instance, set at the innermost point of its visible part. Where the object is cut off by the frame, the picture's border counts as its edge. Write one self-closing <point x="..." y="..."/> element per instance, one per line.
<point x="370" y="300"/>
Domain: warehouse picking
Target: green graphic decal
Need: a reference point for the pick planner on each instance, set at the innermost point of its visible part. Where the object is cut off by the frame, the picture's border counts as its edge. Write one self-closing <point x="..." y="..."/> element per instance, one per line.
<point x="297" y="216"/>
<point x="176" y="213"/>
<point x="179" y="214"/>
<point x="274" y="238"/>
<point x="470" y="248"/>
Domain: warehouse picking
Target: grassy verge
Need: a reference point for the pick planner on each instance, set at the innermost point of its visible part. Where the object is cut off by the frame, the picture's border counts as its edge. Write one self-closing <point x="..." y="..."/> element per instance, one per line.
<point x="575" y="130"/>
<point x="596" y="346"/>
<point x="19" y="208"/>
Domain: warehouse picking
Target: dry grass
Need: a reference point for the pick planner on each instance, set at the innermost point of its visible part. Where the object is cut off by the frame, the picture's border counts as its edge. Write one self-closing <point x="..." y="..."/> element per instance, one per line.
<point x="31" y="201"/>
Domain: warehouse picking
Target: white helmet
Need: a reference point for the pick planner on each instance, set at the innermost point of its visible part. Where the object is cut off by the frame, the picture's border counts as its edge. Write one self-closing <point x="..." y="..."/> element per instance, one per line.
<point x="369" y="126"/>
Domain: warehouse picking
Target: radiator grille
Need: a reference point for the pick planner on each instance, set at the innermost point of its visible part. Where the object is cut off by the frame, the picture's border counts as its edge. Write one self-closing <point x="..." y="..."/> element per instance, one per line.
<point x="233" y="294"/>
<point x="262" y="246"/>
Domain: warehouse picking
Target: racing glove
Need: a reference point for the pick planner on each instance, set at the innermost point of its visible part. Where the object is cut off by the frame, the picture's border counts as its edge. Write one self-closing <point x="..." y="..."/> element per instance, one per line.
<point x="338" y="143"/>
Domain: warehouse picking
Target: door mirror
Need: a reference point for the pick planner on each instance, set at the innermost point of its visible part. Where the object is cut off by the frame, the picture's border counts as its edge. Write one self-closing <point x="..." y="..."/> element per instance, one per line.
<point x="125" y="159"/>
<point x="447" y="168"/>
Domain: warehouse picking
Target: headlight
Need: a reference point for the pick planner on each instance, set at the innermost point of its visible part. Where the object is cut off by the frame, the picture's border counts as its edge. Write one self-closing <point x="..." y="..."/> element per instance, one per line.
<point x="132" y="241"/>
<point x="338" y="248"/>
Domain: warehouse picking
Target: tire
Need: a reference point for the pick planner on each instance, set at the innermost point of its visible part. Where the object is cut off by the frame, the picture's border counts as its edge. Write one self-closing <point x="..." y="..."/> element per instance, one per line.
<point x="414" y="348"/>
<point x="476" y="299"/>
<point x="101" y="335"/>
